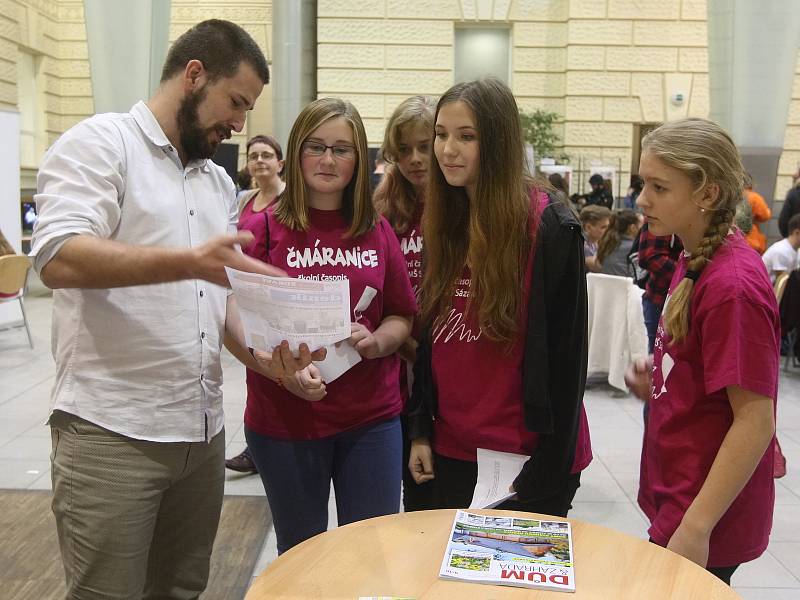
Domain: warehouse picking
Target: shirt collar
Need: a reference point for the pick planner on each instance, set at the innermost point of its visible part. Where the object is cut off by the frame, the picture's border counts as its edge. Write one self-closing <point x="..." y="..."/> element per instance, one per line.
<point x="147" y="122"/>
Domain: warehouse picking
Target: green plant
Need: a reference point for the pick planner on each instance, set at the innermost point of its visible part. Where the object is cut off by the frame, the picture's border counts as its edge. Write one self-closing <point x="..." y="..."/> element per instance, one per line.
<point x="538" y="130"/>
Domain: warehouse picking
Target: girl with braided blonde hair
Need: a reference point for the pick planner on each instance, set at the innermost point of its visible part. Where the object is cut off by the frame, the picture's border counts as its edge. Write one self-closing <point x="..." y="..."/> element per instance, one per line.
<point x="706" y="480"/>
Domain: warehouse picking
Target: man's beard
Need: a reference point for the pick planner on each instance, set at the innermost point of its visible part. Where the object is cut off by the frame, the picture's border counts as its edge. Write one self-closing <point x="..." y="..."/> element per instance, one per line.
<point x="195" y="141"/>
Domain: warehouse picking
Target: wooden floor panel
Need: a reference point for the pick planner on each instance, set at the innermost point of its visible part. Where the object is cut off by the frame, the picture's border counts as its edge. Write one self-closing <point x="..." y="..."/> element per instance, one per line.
<point x="30" y="564"/>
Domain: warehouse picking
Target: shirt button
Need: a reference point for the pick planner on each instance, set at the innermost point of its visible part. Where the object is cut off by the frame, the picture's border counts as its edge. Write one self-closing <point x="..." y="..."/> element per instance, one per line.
<point x="202" y="377"/>
<point x="202" y="335"/>
<point x="201" y="293"/>
<point x="170" y="148"/>
<point x="191" y="212"/>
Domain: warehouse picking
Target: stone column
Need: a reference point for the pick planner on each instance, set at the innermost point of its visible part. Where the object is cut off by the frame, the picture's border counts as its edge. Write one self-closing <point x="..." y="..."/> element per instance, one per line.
<point x="127" y="46"/>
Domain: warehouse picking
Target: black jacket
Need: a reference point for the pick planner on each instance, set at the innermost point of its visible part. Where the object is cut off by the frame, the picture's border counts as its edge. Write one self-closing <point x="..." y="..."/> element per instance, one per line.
<point x="791" y="206"/>
<point x="554" y="362"/>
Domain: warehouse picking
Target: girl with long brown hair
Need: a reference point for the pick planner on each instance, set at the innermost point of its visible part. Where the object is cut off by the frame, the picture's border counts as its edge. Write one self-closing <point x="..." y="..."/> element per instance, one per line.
<point x="707" y="459"/>
<point x="502" y="359"/>
<point x="400" y="197"/>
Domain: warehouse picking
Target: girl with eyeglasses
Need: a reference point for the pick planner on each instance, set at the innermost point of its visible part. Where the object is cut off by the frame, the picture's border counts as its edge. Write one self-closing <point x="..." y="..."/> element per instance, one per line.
<point x="304" y="432"/>
<point x="501" y="363"/>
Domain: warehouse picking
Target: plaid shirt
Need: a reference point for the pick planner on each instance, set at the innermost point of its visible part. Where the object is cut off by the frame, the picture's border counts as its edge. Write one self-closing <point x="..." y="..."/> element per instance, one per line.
<point x="658" y="255"/>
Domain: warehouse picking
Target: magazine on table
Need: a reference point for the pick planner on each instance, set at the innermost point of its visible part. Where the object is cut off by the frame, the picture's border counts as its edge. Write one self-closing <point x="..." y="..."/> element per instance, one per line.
<point x="504" y="550"/>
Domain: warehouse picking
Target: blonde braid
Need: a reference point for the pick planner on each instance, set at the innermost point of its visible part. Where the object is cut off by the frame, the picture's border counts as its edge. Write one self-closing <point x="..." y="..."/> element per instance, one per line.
<point x="676" y="318"/>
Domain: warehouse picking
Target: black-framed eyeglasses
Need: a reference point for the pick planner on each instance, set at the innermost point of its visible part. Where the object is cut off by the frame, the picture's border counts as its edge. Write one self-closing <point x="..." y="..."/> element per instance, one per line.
<point x="265" y="156"/>
<point x="343" y="152"/>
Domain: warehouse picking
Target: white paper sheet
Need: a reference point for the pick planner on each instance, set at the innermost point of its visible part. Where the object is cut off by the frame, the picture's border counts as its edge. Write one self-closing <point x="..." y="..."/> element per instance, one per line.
<point x="274" y="309"/>
<point x="496" y="472"/>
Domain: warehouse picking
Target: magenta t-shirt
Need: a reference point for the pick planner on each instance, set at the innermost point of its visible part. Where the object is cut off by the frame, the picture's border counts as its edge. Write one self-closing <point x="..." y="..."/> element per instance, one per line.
<point x="479" y="384"/>
<point x="256" y="223"/>
<point x="734" y="339"/>
<point x="369" y="391"/>
<point x="411" y="247"/>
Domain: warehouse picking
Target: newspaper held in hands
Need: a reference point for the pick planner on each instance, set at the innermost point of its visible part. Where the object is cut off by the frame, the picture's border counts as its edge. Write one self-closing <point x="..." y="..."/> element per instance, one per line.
<point x="496" y="472"/>
<point x="274" y="309"/>
<point x="341" y="359"/>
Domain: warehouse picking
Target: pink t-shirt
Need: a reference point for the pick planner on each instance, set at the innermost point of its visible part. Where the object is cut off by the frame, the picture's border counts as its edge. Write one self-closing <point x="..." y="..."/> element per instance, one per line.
<point x="411" y="246"/>
<point x="369" y="391"/>
<point x="256" y="223"/>
<point x="734" y="339"/>
<point x="479" y="385"/>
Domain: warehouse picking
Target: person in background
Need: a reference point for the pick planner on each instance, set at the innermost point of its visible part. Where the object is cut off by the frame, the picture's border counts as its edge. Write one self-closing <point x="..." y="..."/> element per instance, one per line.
<point x="600" y="195"/>
<point x="657" y="255"/>
<point x="706" y="481"/>
<point x="560" y="187"/>
<point x="264" y="165"/>
<point x="791" y="205"/>
<point x="634" y="189"/>
<point x="760" y="213"/>
<point x="244" y="182"/>
<point x="400" y="198"/>
<point x="499" y="366"/>
<point x="594" y="220"/>
<point x="614" y="247"/>
<point x="782" y="256"/>
<point x="304" y="432"/>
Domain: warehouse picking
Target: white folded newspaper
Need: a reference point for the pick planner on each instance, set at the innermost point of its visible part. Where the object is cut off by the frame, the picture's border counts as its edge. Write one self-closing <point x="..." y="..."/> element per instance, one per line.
<point x="274" y="309"/>
<point x="496" y="472"/>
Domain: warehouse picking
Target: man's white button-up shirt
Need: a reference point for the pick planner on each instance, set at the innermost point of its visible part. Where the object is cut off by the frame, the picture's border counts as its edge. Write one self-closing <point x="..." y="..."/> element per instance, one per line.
<point x="142" y="361"/>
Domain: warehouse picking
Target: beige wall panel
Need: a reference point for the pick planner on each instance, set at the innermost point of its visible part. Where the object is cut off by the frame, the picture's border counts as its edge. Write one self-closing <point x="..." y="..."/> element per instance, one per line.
<point x="351" y="8"/>
<point x="782" y="185"/>
<point x="794" y="113"/>
<point x="545" y="85"/>
<point x="374" y="129"/>
<point x="693" y="60"/>
<point x="593" y="83"/>
<point x="588" y="9"/>
<point x="73" y="50"/>
<point x="622" y="109"/>
<point x="8" y="71"/>
<point x="8" y="93"/>
<point x="368" y="31"/>
<point x="670" y="33"/>
<point x="10" y="9"/>
<point x="790" y="160"/>
<point x="72" y="32"/>
<point x="540" y="59"/>
<point x="694" y="10"/>
<point x="231" y="11"/>
<point x="368" y="105"/>
<point x="70" y="68"/>
<point x="539" y="10"/>
<point x="542" y="35"/>
<point x="624" y="156"/>
<point x="528" y="104"/>
<point x="579" y="108"/>
<point x="340" y="81"/>
<point x="649" y="87"/>
<point x="424" y="9"/>
<point x="9" y="29"/>
<point x="792" y="138"/>
<point x="796" y="87"/>
<point x="77" y="106"/>
<point x="644" y="9"/>
<point x="594" y="32"/>
<point x="350" y="56"/>
<point x="75" y="87"/>
<point x="699" y="101"/>
<point x="639" y="58"/>
<point x="8" y="50"/>
<point x="419" y="57"/>
<point x="586" y="58"/>
<point x="597" y="134"/>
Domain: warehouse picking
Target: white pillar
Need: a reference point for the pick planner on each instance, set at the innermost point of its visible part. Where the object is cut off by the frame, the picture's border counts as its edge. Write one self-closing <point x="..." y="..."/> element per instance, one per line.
<point x="752" y="49"/>
<point x="127" y="45"/>
<point x="294" y="62"/>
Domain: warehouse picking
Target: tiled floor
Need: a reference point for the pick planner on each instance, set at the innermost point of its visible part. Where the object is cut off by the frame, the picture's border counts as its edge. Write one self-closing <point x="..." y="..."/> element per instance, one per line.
<point x="607" y="495"/>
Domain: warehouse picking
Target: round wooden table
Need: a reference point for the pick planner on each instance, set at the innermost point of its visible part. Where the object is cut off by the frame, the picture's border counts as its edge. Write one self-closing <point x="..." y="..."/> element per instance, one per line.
<point x="400" y="555"/>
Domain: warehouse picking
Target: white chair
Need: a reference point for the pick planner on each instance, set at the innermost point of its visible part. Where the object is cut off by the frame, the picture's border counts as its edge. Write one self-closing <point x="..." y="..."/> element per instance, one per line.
<point x="14" y="280"/>
<point x="617" y="334"/>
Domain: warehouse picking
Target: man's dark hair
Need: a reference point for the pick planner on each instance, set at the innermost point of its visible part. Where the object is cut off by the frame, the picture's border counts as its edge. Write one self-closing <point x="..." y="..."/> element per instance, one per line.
<point x="221" y="46"/>
<point x="596" y="179"/>
<point x="794" y="223"/>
